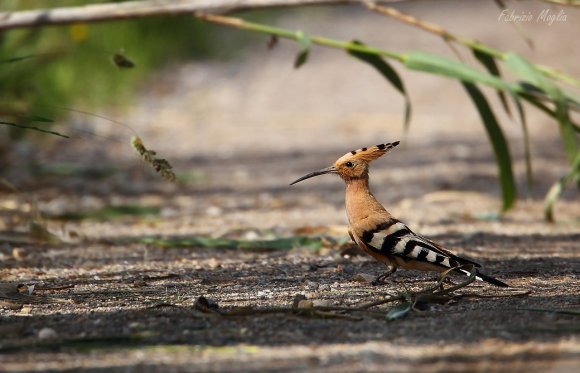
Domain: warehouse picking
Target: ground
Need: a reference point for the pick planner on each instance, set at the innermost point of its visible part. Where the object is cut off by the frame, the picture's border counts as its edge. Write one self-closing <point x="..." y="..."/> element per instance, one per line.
<point x="120" y="289"/>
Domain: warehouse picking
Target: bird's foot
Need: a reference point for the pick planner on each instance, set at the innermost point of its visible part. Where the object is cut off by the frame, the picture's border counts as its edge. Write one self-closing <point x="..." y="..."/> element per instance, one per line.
<point x="382" y="278"/>
<point x="445" y="281"/>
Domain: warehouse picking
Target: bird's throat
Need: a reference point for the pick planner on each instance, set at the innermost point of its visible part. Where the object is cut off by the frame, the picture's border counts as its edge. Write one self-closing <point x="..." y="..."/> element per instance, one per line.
<point x="360" y="202"/>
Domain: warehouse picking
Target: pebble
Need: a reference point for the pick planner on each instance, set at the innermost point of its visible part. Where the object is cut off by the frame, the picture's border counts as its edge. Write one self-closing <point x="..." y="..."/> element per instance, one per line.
<point x="312" y="285"/>
<point x="47" y="333"/>
<point x="251" y="236"/>
<point x="322" y="303"/>
<point x="305" y="303"/>
<point x="363" y="277"/>
<point x="213" y="211"/>
<point x="19" y="253"/>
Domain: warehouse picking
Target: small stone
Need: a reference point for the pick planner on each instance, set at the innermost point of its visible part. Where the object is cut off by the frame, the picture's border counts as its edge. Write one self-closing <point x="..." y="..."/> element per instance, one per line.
<point x="26" y="310"/>
<point x="363" y="277"/>
<point x="322" y="303"/>
<point x="138" y="283"/>
<point x="297" y="299"/>
<point x="47" y="333"/>
<point x="19" y="253"/>
<point x="251" y="236"/>
<point x="213" y="263"/>
<point x="311" y="295"/>
<point x="305" y="303"/>
<point x="213" y="211"/>
<point x="324" y="287"/>
<point x="206" y="305"/>
<point x="312" y="285"/>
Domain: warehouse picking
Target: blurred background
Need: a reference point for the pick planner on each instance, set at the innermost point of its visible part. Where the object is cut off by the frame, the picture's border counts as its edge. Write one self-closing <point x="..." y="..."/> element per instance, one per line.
<point x="238" y="122"/>
<point x="126" y="265"/>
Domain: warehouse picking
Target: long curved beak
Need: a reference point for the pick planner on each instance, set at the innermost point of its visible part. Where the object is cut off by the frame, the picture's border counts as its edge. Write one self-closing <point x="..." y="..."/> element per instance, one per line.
<point x="327" y="170"/>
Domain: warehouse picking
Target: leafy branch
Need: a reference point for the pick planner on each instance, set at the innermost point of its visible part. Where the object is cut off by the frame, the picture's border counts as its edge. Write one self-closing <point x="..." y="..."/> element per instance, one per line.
<point x="535" y="86"/>
<point x="33" y="128"/>
<point x="470" y="43"/>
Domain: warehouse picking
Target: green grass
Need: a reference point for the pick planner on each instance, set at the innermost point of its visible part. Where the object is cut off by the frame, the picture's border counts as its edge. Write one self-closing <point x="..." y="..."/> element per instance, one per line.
<point x="77" y="66"/>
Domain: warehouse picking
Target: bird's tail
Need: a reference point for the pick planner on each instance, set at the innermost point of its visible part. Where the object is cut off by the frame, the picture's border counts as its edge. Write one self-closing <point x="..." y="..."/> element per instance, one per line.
<point x="482" y="277"/>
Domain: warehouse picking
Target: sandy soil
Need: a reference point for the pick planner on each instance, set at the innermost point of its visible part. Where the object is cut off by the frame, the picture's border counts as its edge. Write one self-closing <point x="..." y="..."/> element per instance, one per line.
<point x="238" y="132"/>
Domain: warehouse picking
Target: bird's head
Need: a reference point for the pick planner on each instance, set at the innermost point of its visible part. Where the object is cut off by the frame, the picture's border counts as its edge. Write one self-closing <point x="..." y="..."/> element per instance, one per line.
<point x="354" y="164"/>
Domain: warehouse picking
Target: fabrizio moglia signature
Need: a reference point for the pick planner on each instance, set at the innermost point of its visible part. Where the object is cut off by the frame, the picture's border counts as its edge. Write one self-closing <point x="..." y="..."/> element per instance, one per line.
<point x="547" y="16"/>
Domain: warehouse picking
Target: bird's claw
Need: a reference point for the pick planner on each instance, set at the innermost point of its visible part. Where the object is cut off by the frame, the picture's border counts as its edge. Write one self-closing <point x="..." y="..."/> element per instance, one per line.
<point x="381" y="279"/>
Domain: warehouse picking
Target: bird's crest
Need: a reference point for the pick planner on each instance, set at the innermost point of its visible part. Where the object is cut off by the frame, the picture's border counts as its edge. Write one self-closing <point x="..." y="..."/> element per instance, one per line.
<point x="370" y="153"/>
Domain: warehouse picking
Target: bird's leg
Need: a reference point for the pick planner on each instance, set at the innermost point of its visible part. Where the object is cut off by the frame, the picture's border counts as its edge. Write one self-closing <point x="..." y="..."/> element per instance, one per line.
<point x="444" y="279"/>
<point x="382" y="278"/>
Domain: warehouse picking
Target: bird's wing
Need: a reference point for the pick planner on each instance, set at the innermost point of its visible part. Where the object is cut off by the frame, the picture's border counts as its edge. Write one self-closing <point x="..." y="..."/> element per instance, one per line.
<point x="392" y="237"/>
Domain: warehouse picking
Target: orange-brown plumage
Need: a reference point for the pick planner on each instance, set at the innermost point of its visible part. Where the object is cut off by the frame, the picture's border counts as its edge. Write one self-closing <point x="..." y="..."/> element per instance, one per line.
<point x="376" y="231"/>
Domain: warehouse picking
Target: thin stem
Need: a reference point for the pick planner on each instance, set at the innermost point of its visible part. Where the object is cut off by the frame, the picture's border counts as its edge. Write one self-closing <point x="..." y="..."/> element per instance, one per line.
<point x="471" y="43"/>
<point x="292" y="35"/>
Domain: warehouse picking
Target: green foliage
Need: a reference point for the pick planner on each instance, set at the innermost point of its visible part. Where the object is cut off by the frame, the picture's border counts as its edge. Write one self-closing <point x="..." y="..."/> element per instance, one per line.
<point x="109" y="213"/>
<point x="305" y="42"/>
<point x="556" y="189"/>
<point x="284" y="243"/>
<point x="388" y="72"/>
<point x="532" y="75"/>
<point x="491" y="66"/>
<point x="538" y="85"/>
<point x="89" y="65"/>
<point x="399" y="311"/>
<point x="499" y="145"/>
<point x="34" y="128"/>
<point x="98" y="63"/>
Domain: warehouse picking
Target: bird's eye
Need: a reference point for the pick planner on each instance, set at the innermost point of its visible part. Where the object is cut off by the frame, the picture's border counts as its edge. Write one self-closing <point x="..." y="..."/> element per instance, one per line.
<point x="348" y="164"/>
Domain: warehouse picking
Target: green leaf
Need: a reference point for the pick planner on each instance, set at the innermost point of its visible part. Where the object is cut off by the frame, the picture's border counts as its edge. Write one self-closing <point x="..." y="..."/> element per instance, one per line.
<point x="499" y="144"/>
<point x="532" y="90"/>
<point x="16" y="59"/>
<point x="534" y="101"/>
<point x="122" y="62"/>
<point x="532" y="75"/>
<point x="527" y="148"/>
<point x="109" y="213"/>
<point x="34" y="129"/>
<point x="36" y="118"/>
<point x="559" y="186"/>
<point x="386" y="70"/>
<point x="40" y="233"/>
<point x="399" y="311"/>
<point x="305" y="43"/>
<point x="284" y="243"/>
<point x="489" y="63"/>
<point x="438" y="65"/>
<point x="547" y="310"/>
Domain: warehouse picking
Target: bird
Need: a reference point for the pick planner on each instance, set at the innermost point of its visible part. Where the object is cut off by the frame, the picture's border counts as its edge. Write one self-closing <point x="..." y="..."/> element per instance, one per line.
<point x="380" y="234"/>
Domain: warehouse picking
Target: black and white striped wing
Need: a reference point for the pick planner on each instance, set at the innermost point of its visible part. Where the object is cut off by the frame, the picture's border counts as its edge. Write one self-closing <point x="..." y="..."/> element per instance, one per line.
<point x="395" y="238"/>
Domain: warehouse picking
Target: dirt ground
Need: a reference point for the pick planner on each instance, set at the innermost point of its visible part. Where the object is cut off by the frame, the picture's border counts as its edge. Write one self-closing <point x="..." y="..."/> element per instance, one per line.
<point x="122" y="293"/>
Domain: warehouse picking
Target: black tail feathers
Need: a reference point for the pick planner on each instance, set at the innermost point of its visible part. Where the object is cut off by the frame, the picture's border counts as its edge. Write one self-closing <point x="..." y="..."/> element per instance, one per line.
<point x="481" y="277"/>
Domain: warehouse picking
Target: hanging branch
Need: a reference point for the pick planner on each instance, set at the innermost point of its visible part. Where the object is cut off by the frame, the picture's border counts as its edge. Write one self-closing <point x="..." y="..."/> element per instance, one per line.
<point x="293" y="35"/>
<point x="470" y="43"/>
<point x="145" y="8"/>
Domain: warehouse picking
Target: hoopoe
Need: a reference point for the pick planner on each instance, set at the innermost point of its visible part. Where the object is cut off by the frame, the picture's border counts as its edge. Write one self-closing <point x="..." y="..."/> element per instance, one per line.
<point x="378" y="233"/>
